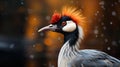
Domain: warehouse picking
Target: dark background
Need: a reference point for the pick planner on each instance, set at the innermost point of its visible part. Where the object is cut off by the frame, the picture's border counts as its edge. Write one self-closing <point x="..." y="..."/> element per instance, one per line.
<point x="22" y="46"/>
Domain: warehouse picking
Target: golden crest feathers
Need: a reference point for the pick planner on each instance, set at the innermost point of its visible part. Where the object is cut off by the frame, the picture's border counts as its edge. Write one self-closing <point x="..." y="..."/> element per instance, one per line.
<point x="73" y="13"/>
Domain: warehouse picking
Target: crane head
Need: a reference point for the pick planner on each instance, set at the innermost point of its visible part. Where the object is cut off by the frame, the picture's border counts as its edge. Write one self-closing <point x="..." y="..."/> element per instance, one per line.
<point x="65" y="22"/>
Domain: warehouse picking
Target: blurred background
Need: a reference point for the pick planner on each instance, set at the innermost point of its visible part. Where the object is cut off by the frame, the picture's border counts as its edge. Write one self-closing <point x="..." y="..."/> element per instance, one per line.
<point x="22" y="46"/>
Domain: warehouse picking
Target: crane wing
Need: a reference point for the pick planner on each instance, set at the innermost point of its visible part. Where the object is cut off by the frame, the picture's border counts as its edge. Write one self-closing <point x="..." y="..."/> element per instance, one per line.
<point x="93" y="58"/>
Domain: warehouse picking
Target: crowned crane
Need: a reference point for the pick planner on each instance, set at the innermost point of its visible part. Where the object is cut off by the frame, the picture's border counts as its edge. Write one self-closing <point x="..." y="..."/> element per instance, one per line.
<point x="71" y="24"/>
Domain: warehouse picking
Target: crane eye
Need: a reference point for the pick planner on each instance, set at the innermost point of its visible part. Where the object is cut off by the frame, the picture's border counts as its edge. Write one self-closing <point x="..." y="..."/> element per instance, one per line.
<point x="64" y="23"/>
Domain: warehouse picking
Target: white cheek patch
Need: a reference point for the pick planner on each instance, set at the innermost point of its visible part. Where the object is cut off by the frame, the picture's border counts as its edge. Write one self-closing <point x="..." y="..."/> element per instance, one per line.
<point x="70" y="27"/>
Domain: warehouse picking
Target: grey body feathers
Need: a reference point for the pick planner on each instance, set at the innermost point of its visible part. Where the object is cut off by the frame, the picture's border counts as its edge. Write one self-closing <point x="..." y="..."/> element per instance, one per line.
<point x="94" y="58"/>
